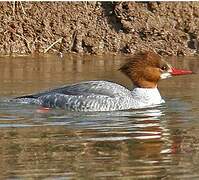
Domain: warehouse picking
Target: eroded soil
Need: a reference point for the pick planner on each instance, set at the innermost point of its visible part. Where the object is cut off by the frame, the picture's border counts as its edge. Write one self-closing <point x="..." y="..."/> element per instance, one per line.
<point x="169" y="28"/>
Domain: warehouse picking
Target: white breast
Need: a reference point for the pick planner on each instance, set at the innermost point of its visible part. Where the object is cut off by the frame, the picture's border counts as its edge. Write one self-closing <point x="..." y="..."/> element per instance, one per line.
<point x="143" y="97"/>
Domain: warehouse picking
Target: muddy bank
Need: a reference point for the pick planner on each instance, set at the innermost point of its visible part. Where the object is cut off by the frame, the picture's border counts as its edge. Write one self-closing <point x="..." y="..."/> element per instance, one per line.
<point x="99" y="27"/>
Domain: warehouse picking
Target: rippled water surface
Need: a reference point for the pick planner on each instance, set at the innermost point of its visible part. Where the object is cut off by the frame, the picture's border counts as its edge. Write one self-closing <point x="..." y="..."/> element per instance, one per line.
<point x="155" y="143"/>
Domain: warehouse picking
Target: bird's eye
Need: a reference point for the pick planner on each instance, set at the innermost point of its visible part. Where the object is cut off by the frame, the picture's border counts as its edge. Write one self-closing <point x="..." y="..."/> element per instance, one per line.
<point x="164" y="68"/>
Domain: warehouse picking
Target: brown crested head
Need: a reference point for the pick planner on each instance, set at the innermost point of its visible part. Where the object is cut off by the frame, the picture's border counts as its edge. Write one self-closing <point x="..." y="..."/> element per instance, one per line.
<point x="145" y="69"/>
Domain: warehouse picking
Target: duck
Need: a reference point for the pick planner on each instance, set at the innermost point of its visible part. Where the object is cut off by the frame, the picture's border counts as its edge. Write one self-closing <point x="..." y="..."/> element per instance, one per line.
<point x="144" y="69"/>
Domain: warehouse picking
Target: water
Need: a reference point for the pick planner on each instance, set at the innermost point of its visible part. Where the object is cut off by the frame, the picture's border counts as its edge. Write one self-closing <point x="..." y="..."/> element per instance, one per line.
<point x="155" y="143"/>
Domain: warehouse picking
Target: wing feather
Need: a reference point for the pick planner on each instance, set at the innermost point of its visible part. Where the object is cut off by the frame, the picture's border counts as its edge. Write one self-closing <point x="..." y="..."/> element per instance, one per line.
<point x="85" y="88"/>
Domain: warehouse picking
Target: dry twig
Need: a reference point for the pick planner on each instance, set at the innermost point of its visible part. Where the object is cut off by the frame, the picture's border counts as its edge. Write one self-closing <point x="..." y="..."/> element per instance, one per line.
<point x="59" y="40"/>
<point x="22" y="8"/>
<point x="13" y="8"/>
<point x="26" y="41"/>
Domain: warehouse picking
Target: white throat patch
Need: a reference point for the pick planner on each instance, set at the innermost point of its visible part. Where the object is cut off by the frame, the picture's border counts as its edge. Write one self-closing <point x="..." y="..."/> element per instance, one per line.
<point x="165" y="75"/>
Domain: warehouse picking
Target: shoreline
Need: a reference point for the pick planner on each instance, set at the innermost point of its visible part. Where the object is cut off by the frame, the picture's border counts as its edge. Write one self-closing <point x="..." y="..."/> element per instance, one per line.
<point x="169" y="28"/>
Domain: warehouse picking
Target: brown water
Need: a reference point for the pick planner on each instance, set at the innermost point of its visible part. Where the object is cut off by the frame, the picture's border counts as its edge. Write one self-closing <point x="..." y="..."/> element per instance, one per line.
<point x="154" y="143"/>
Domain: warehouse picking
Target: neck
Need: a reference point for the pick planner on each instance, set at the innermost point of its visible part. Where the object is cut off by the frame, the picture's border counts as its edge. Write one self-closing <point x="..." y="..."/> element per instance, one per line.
<point x="146" y="84"/>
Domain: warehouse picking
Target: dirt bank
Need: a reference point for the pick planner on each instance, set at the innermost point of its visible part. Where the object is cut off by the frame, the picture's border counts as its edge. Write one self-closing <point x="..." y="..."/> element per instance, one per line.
<point x="99" y="27"/>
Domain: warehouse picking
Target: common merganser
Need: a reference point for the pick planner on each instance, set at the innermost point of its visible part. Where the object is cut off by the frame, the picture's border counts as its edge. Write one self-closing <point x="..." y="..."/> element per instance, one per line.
<point x="144" y="69"/>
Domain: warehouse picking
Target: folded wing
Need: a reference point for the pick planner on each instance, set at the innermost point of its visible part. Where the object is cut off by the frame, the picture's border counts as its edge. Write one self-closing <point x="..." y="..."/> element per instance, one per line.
<point x="86" y="88"/>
